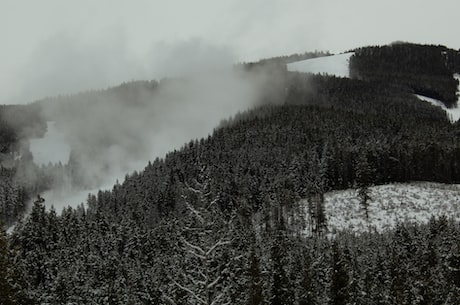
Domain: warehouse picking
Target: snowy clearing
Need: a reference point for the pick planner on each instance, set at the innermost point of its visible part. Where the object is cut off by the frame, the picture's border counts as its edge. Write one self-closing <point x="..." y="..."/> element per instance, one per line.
<point x="337" y="65"/>
<point x="51" y="148"/>
<point x="390" y="204"/>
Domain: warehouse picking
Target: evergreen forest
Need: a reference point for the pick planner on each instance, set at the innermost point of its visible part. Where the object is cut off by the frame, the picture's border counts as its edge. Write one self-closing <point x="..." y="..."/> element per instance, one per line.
<point x="219" y="220"/>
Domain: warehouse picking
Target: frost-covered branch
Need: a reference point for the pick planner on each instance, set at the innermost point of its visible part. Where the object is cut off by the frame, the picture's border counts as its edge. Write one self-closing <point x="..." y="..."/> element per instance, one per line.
<point x="193" y="190"/>
<point x="168" y="300"/>
<point x="213" y="283"/>
<point x="193" y="210"/>
<point x="193" y="294"/>
<point x="213" y="202"/>
<point x="218" y="244"/>
<point x="220" y="296"/>
<point x="194" y="247"/>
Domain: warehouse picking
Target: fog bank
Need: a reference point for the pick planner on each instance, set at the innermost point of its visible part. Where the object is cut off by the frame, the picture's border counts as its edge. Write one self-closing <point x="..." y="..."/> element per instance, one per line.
<point x="113" y="132"/>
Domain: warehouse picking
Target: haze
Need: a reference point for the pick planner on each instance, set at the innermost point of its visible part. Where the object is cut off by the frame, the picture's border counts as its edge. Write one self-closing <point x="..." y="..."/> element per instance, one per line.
<point x="112" y="133"/>
<point x="54" y="47"/>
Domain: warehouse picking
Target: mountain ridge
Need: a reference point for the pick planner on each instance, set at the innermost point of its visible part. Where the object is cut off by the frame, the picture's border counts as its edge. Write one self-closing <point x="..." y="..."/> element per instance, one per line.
<point x="222" y="218"/>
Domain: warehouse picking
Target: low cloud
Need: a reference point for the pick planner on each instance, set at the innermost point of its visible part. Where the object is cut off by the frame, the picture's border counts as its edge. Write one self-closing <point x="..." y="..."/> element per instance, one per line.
<point x="112" y="133"/>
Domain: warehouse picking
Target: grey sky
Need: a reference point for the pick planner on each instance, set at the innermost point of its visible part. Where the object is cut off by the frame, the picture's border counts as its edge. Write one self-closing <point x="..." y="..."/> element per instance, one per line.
<point x="55" y="47"/>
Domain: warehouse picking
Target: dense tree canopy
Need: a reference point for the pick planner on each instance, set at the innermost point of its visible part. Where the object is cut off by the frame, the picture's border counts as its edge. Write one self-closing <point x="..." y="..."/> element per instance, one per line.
<point x="219" y="221"/>
<point x="427" y="70"/>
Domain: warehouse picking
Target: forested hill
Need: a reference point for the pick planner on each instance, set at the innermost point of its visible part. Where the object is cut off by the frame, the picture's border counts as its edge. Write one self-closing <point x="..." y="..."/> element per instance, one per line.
<point x="317" y="139"/>
<point x="220" y="221"/>
<point x="427" y="70"/>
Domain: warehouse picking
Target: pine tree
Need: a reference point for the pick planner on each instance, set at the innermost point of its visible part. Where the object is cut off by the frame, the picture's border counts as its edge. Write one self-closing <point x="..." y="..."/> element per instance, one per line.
<point x="10" y="281"/>
<point x="202" y="271"/>
<point x="316" y="188"/>
<point x="255" y="281"/>
<point x="340" y="279"/>
<point x="364" y="174"/>
<point x="280" y="290"/>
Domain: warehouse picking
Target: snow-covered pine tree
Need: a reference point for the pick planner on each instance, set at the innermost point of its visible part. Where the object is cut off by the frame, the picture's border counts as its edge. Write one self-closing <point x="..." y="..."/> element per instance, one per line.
<point x="339" y="293"/>
<point x="364" y="173"/>
<point x="316" y="187"/>
<point x="255" y="281"/>
<point x="204" y="268"/>
<point x="10" y="282"/>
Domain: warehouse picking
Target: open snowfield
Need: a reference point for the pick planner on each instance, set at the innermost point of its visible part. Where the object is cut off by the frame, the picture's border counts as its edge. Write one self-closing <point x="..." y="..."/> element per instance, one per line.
<point x="337" y="65"/>
<point x="390" y="204"/>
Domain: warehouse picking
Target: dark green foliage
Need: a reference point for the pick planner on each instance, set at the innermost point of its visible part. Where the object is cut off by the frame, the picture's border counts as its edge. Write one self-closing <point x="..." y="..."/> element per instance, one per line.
<point x="203" y="268"/>
<point x="13" y="197"/>
<point x="281" y="61"/>
<point x="18" y="122"/>
<point x="339" y="278"/>
<point x="23" y="181"/>
<point x="281" y="287"/>
<point x="11" y="284"/>
<point x="427" y="70"/>
<point x="364" y="174"/>
<point x="213" y="221"/>
<point x="88" y="259"/>
<point x="255" y="281"/>
<point x="264" y="157"/>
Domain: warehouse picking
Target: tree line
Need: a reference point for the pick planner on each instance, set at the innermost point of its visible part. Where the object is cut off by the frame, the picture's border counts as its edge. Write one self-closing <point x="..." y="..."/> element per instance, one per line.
<point x="424" y="69"/>
<point x="219" y="220"/>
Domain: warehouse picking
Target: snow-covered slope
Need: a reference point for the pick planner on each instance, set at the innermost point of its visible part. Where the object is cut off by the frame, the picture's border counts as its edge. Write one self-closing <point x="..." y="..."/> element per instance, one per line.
<point x="51" y="148"/>
<point x="337" y="65"/>
<point x="390" y="204"/>
<point x="432" y="101"/>
<point x="452" y="113"/>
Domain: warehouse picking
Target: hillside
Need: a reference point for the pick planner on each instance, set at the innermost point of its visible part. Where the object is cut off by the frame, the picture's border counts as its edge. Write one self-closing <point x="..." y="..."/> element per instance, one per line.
<point x="427" y="70"/>
<point x="263" y="210"/>
<point x="334" y="65"/>
<point x="454" y="112"/>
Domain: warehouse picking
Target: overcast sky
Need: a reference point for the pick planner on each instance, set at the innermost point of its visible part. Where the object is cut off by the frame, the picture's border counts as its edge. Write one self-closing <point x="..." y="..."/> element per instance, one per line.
<point x="51" y="47"/>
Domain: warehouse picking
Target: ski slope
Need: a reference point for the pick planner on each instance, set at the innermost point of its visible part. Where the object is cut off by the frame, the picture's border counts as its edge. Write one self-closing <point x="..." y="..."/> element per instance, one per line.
<point x="51" y="148"/>
<point x="389" y="205"/>
<point x="452" y="113"/>
<point x="336" y="65"/>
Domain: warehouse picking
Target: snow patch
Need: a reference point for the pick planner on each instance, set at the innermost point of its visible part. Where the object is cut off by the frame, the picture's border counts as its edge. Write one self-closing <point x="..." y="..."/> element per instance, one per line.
<point x="10" y="230"/>
<point x="452" y="113"/>
<point x="337" y="65"/>
<point x="432" y="101"/>
<point x="390" y="204"/>
<point x="455" y="112"/>
<point x="51" y="148"/>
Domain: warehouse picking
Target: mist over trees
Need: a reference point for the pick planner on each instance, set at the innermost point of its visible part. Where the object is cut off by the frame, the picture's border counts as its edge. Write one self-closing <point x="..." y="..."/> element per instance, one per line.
<point x="218" y="221"/>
